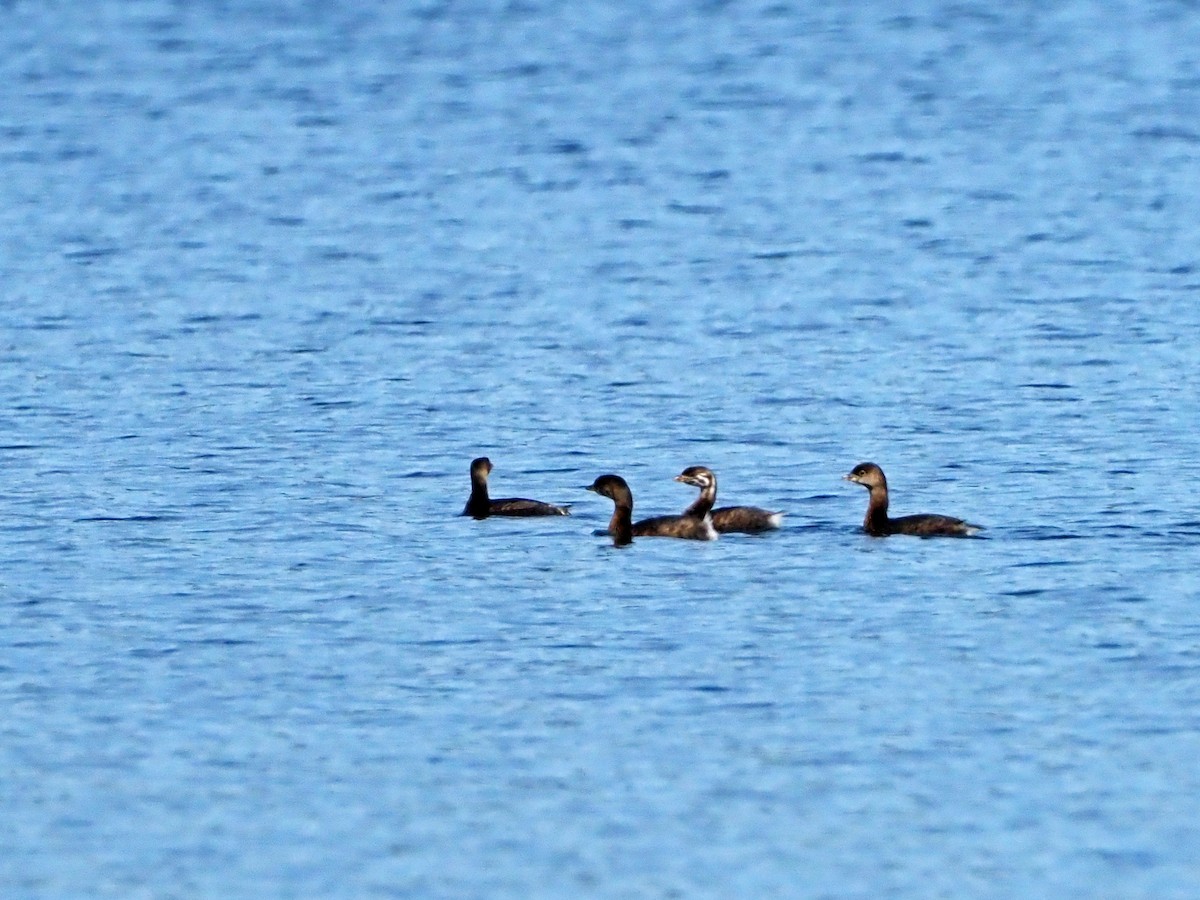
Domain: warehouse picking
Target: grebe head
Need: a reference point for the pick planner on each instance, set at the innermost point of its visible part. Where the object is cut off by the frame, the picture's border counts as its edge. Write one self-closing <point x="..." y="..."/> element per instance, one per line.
<point x="868" y="475"/>
<point x="697" y="476"/>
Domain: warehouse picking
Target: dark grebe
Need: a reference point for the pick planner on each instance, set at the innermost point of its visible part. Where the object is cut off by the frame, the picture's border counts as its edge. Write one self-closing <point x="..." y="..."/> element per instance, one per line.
<point x="877" y="522"/>
<point x="481" y="507"/>
<point x="747" y="519"/>
<point x="623" y="529"/>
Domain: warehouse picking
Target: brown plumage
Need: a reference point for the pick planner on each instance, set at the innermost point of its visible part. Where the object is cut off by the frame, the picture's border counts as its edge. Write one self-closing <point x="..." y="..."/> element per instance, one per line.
<point x="481" y="506"/>
<point x="747" y="519"/>
<point x="623" y="529"/>
<point x="879" y="524"/>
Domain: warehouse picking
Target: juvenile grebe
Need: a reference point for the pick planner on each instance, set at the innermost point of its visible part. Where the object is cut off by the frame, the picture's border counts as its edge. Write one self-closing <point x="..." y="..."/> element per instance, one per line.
<point x="877" y="522"/>
<point x="481" y="507"/>
<point x="747" y="519"/>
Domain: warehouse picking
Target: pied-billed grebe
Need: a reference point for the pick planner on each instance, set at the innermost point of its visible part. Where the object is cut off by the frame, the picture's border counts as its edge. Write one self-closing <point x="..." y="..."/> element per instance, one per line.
<point x="747" y="519"/>
<point x="877" y="522"/>
<point x="481" y="507"/>
<point x="623" y="529"/>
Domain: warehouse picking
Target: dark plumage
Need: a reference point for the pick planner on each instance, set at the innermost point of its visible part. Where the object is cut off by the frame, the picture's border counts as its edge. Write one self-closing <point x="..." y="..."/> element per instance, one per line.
<point x="747" y="519"/>
<point x="877" y="522"/>
<point x="480" y="506"/>
<point x="623" y="529"/>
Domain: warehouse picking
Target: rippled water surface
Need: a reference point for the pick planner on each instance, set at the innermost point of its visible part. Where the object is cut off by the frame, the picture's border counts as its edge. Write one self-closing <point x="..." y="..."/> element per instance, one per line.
<point x="273" y="273"/>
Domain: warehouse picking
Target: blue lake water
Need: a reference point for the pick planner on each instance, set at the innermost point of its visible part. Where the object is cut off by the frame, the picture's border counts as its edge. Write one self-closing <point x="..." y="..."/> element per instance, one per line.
<point x="274" y="273"/>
